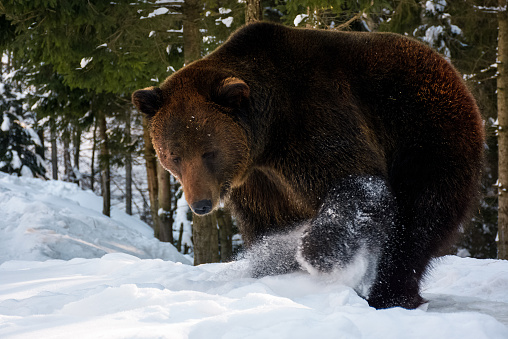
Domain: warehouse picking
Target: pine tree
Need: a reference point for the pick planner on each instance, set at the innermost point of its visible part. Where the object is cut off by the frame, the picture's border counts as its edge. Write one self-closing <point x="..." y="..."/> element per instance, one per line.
<point x="359" y="15"/>
<point x="466" y="34"/>
<point x="437" y="30"/>
<point x="476" y="59"/>
<point x="253" y="11"/>
<point x="502" y="108"/>
<point x="96" y="45"/>
<point x="18" y="140"/>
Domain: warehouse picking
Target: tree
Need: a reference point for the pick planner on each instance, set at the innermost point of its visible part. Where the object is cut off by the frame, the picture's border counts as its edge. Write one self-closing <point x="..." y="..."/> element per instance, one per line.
<point x="105" y="164"/>
<point x="73" y="53"/>
<point x="253" y="11"/>
<point x="165" y="214"/>
<point x="205" y="237"/>
<point x="18" y="140"/>
<point x="466" y="33"/>
<point x="68" y="170"/>
<point x="475" y="57"/>
<point x="62" y="109"/>
<point x="108" y="40"/>
<point x="151" y="173"/>
<point x="225" y="223"/>
<point x="128" y="164"/>
<point x="335" y="14"/>
<point x="216" y="228"/>
<point x="54" y="150"/>
<point x="502" y="109"/>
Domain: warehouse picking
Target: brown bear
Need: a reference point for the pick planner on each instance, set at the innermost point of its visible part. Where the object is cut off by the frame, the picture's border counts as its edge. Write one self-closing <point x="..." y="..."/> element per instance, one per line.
<point x="369" y="144"/>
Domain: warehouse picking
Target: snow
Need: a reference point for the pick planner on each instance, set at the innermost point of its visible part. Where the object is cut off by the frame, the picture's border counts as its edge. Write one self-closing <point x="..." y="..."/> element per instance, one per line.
<point x="31" y="133"/>
<point x="16" y="160"/>
<point x="181" y="221"/>
<point x="159" y="11"/>
<point x="120" y="296"/>
<point x="227" y="21"/>
<point x="491" y="9"/>
<point x="223" y="10"/>
<point x="168" y="1"/>
<point x="26" y="172"/>
<point x="6" y="123"/>
<point x="456" y="30"/>
<point x="63" y="272"/>
<point x="432" y="34"/>
<point x="44" y="220"/>
<point x="299" y="18"/>
<point x="435" y="6"/>
<point x="85" y="61"/>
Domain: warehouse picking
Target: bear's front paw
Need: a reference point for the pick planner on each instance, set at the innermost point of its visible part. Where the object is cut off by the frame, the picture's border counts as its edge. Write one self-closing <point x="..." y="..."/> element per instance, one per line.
<point x="315" y="254"/>
<point x="405" y="301"/>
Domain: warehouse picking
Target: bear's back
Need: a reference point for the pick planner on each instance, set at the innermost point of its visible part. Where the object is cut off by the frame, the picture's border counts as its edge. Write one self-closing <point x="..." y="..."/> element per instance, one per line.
<point x="391" y="77"/>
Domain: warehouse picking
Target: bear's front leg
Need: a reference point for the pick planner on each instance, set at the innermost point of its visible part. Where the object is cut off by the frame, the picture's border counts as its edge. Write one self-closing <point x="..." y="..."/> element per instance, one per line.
<point x="353" y="221"/>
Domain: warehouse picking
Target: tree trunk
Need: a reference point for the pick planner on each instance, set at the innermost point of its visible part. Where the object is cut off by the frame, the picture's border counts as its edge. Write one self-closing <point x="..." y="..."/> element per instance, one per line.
<point x="225" y="235"/>
<point x="39" y="150"/>
<point x="128" y="183"/>
<point x="253" y="11"/>
<point x="104" y="165"/>
<point x="151" y="173"/>
<point x="54" y="151"/>
<point x="206" y="239"/>
<point x="204" y="229"/>
<point x="67" y="157"/>
<point x="94" y="147"/>
<point x="165" y="214"/>
<point x="180" y="238"/>
<point x="191" y="34"/>
<point x="76" y="142"/>
<point x="502" y="116"/>
<point x="128" y="166"/>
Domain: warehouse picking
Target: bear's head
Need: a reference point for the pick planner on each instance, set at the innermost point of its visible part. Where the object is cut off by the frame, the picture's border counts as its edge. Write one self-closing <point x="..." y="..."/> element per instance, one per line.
<point x="196" y="135"/>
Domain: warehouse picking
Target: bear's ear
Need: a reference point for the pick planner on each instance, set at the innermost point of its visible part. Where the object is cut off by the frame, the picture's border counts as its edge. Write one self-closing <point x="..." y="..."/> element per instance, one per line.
<point x="148" y="100"/>
<point x="232" y="92"/>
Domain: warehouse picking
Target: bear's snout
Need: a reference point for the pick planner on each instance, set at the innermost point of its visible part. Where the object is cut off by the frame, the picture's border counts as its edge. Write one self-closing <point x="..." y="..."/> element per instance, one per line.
<point x="202" y="207"/>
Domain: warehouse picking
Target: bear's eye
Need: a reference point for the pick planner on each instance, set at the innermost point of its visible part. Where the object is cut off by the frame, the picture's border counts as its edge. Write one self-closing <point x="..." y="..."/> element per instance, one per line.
<point x="209" y="155"/>
<point x="176" y="160"/>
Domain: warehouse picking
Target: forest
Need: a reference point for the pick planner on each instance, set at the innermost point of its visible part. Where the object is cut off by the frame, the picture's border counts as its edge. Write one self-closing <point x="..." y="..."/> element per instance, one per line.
<point x="68" y="70"/>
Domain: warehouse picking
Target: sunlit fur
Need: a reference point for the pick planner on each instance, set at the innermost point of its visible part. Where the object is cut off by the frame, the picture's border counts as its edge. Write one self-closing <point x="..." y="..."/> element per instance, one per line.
<point x="190" y="126"/>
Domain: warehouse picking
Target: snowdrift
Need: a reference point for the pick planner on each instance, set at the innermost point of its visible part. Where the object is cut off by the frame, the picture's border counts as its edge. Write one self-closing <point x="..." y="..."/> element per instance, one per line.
<point x="102" y="293"/>
<point x="43" y="220"/>
<point x="121" y="296"/>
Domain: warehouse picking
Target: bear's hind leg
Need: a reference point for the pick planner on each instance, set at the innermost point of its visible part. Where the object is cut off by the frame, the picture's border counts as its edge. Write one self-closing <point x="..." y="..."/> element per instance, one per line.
<point x="433" y="199"/>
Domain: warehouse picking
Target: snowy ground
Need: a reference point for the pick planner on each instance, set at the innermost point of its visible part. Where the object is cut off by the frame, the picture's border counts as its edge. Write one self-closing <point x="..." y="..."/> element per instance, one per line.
<point x="105" y="294"/>
<point x="56" y="220"/>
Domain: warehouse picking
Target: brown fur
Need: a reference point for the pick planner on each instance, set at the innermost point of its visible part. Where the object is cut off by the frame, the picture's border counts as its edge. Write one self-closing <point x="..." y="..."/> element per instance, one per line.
<point x="279" y="122"/>
<point x="199" y="141"/>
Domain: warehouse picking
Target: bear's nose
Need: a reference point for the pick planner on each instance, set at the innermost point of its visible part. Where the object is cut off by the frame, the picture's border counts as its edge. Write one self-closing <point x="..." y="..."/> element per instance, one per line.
<point x="202" y="207"/>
